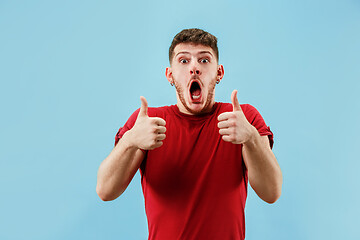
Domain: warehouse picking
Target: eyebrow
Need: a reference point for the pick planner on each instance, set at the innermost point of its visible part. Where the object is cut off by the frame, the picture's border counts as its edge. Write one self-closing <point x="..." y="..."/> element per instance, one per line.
<point x="202" y="52"/>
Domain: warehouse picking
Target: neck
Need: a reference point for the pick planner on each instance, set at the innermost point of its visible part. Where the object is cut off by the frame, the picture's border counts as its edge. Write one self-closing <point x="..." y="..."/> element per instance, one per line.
<point x="205" y="110"/>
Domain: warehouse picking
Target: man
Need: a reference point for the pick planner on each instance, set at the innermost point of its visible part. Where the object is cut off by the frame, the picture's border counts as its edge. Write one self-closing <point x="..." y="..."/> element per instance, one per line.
<point x="195" y="157"/>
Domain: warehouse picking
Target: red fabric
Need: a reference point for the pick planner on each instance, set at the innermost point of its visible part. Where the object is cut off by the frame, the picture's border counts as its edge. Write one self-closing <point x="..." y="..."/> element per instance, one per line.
<point x="195" y="185"/>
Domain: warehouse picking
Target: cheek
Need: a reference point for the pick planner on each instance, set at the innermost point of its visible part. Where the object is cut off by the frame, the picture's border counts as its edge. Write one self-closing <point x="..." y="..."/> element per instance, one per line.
<point x="179" y="71"/>
<point x="178" y="76"/>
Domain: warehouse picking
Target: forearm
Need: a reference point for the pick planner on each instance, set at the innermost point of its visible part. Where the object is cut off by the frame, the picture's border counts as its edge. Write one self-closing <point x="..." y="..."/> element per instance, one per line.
<point x="264" y="172"/>
<point x="118" y="169"/>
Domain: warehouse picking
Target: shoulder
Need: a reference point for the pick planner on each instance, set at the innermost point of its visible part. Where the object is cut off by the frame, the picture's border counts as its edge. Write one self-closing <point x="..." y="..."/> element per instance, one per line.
<point x="249" y="109"/>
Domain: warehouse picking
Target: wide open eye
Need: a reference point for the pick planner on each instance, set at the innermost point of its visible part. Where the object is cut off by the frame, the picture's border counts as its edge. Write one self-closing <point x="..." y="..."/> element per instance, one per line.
<point x="183" y="61"/>
<point x="204" y="60"/>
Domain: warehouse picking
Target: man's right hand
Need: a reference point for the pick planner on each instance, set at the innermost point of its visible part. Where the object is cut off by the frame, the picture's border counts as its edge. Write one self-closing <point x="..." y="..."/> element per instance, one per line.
<point x="147" y="132"/>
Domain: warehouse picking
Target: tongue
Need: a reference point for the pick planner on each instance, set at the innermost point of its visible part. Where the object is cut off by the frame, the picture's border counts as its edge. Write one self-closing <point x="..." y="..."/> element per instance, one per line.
<point x="196" y="92"/>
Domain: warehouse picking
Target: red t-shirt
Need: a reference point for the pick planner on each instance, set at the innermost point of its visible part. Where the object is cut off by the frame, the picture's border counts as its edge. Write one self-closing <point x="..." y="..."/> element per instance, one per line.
<point x="195" y="184"/>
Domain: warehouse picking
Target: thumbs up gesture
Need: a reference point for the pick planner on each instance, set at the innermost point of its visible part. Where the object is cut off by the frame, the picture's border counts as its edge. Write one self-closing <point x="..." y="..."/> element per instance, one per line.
<point x="233" y="126"/>
<point x="148" y="132"/>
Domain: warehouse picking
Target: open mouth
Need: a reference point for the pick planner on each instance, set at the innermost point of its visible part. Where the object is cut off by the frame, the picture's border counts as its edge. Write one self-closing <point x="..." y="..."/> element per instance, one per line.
<point x="195" y="91"/>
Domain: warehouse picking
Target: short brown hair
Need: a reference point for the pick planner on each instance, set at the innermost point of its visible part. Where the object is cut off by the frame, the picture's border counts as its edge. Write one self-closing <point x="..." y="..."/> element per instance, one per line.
<point x="196" y="36"/>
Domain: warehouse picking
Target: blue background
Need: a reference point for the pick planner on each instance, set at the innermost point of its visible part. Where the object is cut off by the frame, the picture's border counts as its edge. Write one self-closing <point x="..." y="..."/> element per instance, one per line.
<point x="72" y="72"/>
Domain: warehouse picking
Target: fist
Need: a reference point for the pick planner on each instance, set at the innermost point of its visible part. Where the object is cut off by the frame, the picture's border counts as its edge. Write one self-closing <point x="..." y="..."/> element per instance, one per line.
<point x="148" y="132"/>
<point x="233" y="126"/>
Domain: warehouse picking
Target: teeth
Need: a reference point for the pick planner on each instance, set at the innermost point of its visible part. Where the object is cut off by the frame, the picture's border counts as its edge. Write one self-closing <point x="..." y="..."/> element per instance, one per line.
<point x="195" y="97"/>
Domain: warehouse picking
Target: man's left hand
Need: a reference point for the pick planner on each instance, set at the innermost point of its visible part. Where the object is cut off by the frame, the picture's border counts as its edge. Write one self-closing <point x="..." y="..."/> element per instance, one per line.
<point x="233" y="126"/>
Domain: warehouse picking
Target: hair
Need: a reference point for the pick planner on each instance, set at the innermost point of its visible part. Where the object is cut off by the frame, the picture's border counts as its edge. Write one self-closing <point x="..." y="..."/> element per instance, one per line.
<point x="195" y="36"/>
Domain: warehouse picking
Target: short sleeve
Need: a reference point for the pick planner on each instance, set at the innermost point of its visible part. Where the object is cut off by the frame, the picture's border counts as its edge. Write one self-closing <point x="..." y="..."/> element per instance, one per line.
<point x="128" y="125"/>
<point x="255" y="119"/>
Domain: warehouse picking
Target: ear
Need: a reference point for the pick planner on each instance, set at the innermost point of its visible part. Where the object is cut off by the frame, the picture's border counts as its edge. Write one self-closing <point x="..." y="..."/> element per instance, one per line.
<point x="168" y="74"/>
<point x="220" y="72"/>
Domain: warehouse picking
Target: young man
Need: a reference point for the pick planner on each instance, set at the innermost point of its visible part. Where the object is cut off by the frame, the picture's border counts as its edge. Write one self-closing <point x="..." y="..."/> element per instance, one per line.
<point x="195" y="157"/>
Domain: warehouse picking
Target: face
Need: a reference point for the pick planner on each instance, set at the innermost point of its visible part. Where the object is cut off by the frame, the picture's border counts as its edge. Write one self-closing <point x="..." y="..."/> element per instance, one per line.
<point x="194" y="71"/>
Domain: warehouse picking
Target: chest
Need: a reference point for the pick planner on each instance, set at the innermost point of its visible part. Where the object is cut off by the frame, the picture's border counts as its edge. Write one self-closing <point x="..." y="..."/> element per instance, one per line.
<point x="193" y="156"/>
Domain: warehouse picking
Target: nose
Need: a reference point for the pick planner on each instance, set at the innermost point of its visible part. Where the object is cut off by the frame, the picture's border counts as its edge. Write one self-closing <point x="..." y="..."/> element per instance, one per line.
<point x="194" y="69"/>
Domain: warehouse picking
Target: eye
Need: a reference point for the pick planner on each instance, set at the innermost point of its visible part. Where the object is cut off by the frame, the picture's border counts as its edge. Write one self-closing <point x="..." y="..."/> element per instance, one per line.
<point x="183" y="61"/>
<point x="204" y="60"/>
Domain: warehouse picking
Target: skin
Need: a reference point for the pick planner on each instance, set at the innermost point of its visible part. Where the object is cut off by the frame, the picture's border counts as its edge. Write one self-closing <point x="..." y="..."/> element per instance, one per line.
<point x="194" y="63"/>
<point x="264" y="172"/>
<point x="191" y="63"/>
<point x="118" y="169"/>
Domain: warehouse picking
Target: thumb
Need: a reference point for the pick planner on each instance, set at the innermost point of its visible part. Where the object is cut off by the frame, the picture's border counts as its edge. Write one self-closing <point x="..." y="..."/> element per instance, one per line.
<point x="235" y="102"/>
<point x="144" y="107"/>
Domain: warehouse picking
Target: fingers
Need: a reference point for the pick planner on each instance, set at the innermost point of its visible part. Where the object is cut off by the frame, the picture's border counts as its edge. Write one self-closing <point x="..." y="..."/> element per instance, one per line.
<point x="158" y="121"/>
<point x="236" y="107"/>
<point x="156" y="145"/>
<point x="227" y="134"/>
<point x="144" y="107"/>
<point x="144" y="112"/>
<point x="224" y="124"/>
<point x="160" y="137"/>
<point x="160" y="129"/>
<point x="227" y="138"/>
<point x="225" y="131"/>
<point x="235" y="102"/>
<point x="158" y="142"/>
<point x="149" y="132"/>
<point x="225" y="116"/>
